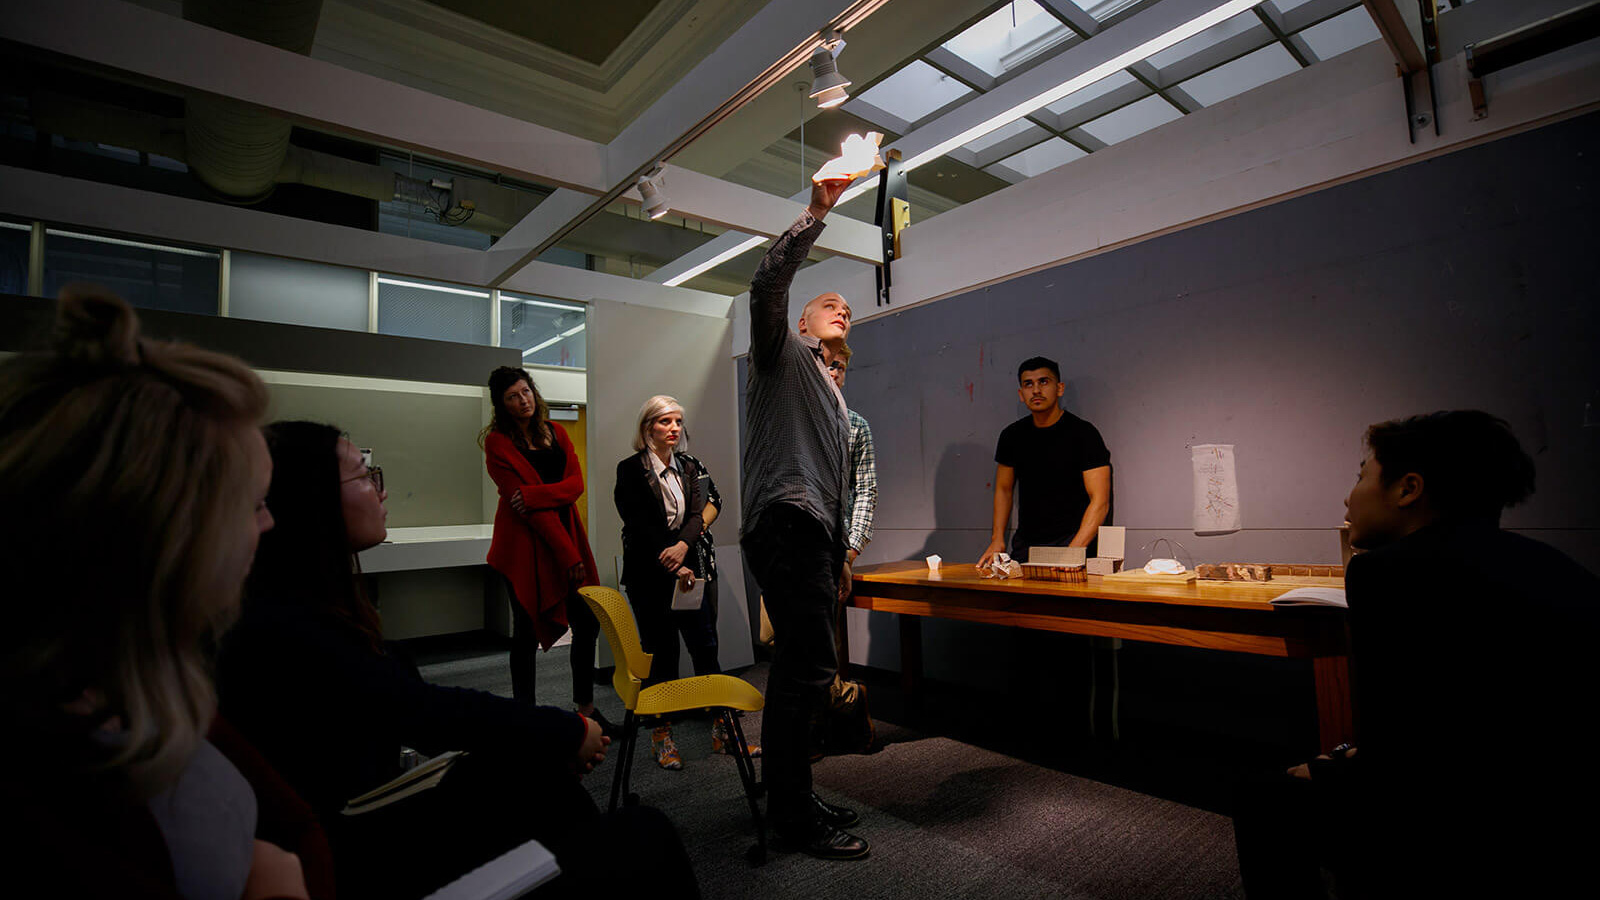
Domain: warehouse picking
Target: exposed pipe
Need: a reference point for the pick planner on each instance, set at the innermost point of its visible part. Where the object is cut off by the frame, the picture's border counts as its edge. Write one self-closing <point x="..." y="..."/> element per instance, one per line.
<point x="237" y="149"/>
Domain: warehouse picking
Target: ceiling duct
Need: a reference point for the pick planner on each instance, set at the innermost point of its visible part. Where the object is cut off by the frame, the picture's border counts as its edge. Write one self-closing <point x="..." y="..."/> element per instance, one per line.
<point x="234" y="148"/>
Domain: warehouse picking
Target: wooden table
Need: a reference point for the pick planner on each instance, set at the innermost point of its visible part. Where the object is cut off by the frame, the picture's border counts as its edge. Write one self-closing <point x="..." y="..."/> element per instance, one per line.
<point x="1213" y="615"/>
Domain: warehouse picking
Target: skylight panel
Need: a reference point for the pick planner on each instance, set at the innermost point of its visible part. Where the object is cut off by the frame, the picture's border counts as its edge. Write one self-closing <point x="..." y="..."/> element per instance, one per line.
<point x="1135" y="118"/>
<point x="1093" y="92"/>
<point x="1010" y="37"/>
<point x="1212" y="36"/>
<point x="1038" y="159"/>
<point x="1249" y="71"/>
<point x="915" y="91"/>
<point x="1343" y="32"/>
<point x="1284" y="6"/>
<point x="1004" y="133"/>
<point x="1103" y="9"/>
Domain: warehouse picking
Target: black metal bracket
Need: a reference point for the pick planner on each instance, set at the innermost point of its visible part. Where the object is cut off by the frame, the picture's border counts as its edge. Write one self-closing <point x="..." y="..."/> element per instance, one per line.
<point x="1531" y="41"/>
<point x="893" y="215"/>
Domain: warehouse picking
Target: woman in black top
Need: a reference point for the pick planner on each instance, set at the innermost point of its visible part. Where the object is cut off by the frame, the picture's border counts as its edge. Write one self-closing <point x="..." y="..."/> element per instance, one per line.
<point x="307" y="677"/>
<point x="668" y="501"/>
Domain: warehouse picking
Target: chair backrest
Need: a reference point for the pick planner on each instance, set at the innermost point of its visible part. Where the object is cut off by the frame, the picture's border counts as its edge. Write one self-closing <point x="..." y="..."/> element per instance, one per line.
<point x="622" y="635"/>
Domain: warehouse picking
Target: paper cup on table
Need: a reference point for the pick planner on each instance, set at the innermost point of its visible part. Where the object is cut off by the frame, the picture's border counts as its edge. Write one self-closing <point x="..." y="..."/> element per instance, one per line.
<point x="933" y="563"/>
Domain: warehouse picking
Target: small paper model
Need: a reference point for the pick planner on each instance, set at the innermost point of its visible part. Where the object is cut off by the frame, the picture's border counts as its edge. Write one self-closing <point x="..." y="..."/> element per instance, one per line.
<point x="1104" y="565"/>
<point x="858" y="156"/>
<point x="1112" y="540"/>
<point x="1001" y="566"/>
<point x="1164" y="567"/>
<point x="933" y="563"/>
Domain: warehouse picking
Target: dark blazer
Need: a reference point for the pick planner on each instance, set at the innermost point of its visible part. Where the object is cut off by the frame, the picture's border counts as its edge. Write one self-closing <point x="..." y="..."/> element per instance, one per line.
<point x="644" y="527"/>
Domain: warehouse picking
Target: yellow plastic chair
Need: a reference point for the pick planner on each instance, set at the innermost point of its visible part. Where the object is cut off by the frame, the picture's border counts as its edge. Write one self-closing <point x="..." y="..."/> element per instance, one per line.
<point x="718" y="693"/>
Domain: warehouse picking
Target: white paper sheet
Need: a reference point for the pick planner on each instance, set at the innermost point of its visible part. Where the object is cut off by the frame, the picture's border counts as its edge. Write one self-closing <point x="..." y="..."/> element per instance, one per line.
<point x="1216" y="488"/>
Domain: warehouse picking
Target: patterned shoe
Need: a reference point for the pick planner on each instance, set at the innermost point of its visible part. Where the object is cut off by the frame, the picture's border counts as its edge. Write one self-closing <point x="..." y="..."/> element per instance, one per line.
<point x="722" y="739"/>
<point x="667" y="755"/>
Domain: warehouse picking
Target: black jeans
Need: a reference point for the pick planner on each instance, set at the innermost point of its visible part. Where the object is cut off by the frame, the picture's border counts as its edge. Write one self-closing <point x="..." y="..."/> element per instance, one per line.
<point x="797" y="566"/>
<point x="525" y="649"/>
<point x="660" y="625"/>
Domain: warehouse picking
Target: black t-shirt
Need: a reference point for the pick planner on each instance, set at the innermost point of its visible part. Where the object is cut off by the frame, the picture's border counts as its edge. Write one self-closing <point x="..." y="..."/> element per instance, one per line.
<point x="1050" y="463"/>
<point x="550" y="462"/>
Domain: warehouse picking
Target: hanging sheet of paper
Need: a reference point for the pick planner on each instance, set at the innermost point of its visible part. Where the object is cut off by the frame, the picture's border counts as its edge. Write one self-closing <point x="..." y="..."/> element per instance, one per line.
<point x="690" y="599"/>
<point x="1216" y="488"/>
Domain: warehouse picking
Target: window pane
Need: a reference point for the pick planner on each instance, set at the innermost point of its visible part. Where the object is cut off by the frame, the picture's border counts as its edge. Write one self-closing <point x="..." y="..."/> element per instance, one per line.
<point x="149" y="276"/>
<point x="1343" y="32"/>
<point x="1010" y="36"/>
<point x="915" y="91"/>
<point x="1041" y="158"/>
<point x="443" y="312"/>
<point x="1135" y="118"/>
<point x="14" y="238"/>
<point x="1253" y="70"/>
<point x="548" y="332"/>
<point x="1094" y="91"/>
<point x="1004" y="132"/>
<point x="269" y="289"/>
<point x="1212" y="36"/>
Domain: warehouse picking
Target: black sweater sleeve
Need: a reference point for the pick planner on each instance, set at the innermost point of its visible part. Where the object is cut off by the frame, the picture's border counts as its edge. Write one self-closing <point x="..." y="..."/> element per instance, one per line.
<point x="331" y="713"/>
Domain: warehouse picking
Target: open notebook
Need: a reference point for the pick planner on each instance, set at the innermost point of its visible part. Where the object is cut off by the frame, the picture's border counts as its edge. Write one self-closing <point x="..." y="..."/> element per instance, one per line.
<point x="508" y="875"/>
<point x="412" y="782"/>
<point x="1312" y="596"/>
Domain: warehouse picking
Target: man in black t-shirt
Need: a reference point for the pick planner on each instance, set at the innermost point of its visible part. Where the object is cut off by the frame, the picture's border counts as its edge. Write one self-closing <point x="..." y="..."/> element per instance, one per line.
<point x="1061" y="464"/>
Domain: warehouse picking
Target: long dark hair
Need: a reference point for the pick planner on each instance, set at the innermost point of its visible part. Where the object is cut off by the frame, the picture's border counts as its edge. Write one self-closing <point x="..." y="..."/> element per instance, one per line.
<point x="500" y="381"/>
<point x="306" y="558"/>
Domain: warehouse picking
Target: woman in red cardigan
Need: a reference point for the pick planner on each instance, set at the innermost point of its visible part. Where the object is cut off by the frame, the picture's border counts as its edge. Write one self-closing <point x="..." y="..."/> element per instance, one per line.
<point x="539" y="544"/>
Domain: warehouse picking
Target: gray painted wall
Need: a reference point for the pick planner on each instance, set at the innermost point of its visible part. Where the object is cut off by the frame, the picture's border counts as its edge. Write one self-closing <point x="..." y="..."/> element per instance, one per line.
<point x="1470" y="280"/>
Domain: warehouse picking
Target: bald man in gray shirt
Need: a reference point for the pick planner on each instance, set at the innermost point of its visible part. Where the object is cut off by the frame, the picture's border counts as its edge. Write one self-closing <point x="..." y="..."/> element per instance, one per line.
<point x="796" y="477"/>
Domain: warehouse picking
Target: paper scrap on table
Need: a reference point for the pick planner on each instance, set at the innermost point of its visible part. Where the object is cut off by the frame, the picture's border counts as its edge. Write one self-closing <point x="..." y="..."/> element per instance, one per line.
<point x="1216" y="488"/>
<point x="858" y="156"/>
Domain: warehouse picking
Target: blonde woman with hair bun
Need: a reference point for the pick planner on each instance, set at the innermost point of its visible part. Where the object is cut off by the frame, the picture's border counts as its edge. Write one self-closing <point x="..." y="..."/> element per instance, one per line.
<point x="668" y="501"/>
<point x="132" y="486"/>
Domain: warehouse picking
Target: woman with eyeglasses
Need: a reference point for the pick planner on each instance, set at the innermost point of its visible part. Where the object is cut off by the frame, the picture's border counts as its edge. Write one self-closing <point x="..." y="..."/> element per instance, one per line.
<point x="539" y="544"/>
<point x="308" y="678"/>
<point x="667" y="502"/>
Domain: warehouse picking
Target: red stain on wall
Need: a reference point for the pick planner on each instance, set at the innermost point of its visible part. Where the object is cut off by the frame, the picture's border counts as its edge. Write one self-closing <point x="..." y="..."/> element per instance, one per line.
<point x="969" y="392"/>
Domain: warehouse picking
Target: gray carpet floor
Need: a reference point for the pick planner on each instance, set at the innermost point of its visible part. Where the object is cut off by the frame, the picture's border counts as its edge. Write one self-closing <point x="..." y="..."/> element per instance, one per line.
<point x="945" y="818"/>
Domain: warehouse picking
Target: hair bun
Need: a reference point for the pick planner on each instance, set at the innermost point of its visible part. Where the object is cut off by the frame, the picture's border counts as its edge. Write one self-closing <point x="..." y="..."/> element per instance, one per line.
<point x="94" y="325"/>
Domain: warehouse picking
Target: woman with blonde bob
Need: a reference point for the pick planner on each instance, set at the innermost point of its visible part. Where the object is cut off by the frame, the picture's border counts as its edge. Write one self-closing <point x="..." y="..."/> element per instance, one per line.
<point x="668" y="501"/>
<point x="132" y="494"/>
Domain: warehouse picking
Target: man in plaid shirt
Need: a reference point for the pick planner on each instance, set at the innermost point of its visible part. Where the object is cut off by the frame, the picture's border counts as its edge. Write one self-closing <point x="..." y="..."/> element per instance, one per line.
<point x="863" y="478"/>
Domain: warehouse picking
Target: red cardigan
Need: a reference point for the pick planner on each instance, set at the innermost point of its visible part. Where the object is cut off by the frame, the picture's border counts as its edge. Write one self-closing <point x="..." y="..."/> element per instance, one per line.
<point x="536" y="549"/>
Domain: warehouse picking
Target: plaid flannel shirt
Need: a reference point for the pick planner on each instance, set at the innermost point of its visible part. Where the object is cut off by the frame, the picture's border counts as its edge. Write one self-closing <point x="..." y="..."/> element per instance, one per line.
<point x="863" y="483"/>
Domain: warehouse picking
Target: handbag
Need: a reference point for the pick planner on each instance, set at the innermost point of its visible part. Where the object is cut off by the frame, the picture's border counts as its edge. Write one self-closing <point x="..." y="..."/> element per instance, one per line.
<point x="844" y="724"/>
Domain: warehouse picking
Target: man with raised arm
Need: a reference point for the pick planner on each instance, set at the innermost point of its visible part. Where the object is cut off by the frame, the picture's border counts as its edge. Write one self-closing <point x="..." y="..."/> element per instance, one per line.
<point x="1060" y="464"/>
<point x="796" y="484"/>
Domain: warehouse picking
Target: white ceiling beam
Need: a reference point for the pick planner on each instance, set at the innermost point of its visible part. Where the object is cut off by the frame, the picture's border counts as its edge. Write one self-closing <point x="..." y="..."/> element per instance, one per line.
<point x="1400" y="23"/>
<point x="161" y="217"/>
<point x="168" y="49"/>
<point x="1033" y="88"/>
<point x="765" y="49"/>
<point x="1106" y="45"/>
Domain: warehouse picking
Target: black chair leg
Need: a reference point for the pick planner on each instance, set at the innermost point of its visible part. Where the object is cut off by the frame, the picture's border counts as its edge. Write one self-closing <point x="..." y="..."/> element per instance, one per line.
<point x="747" y="774"/>
<point x="630" y="726"/>
<point x="629" y="798"/>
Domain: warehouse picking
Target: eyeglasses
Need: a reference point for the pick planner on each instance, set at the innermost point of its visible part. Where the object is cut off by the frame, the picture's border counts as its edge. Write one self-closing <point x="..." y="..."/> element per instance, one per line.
<point x="373" y="472"/>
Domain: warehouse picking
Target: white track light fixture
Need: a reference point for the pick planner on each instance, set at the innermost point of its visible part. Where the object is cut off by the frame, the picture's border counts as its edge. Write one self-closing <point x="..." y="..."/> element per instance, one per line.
<point x="655" y="202"/>
<point x="827" y="85"/>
